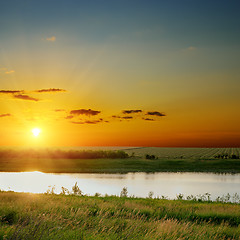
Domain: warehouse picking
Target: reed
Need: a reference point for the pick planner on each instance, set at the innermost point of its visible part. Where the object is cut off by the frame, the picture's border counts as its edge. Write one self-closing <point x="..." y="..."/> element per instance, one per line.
<point x="50" y="216"/>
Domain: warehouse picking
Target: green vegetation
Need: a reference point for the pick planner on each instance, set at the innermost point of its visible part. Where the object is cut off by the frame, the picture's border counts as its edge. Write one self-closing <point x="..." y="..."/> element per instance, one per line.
<point x="130" y="160"/>
<point x="60" y="154"/>
<point x="135" y="164"/>
<point x="50" y="216"/>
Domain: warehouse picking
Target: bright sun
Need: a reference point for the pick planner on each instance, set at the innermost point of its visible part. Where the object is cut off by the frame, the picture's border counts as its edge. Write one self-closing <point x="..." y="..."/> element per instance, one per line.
<point x="36" y="132"/>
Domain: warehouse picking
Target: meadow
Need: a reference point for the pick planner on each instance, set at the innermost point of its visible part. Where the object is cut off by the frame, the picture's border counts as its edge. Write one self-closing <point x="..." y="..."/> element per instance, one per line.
<point x="222" y="160"/>
<point x="51" y="216"/>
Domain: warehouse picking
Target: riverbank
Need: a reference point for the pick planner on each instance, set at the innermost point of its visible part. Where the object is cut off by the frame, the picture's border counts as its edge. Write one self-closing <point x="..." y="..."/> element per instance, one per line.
<point x="50" y="216"/>
<point x="124" y="165"/>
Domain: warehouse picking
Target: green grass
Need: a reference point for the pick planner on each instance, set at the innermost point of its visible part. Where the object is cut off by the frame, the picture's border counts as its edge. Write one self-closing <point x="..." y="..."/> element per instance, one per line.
<point x="135" y="164"/>
<point x="41" y="216"/>
<point x="164" y="160"/>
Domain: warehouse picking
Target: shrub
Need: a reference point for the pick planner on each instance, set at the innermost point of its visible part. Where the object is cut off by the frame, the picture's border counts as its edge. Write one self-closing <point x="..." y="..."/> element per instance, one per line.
<point x="124" y="192"/>
<point x="76" y="190"/>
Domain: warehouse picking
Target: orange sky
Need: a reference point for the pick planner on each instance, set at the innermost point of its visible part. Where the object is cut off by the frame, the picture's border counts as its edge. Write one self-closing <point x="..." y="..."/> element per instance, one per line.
<point x="107" y="75"/>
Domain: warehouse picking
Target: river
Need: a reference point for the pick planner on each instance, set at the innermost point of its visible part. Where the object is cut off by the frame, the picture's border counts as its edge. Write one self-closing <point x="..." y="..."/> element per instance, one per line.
<point x="138" y="184"/>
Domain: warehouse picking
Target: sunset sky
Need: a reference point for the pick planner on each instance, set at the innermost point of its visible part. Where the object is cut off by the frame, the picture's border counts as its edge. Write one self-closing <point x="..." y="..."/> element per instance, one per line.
<point x="120" y="73"/>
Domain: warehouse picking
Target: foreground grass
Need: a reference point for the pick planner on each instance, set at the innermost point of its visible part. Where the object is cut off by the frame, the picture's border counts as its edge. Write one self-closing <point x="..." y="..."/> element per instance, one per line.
<point x="41" y="216"/>
<point x="132" y="164"/>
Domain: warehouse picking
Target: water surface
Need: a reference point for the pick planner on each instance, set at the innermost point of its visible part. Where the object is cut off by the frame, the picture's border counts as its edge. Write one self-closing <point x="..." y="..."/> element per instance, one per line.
<point x="138" y="184"/>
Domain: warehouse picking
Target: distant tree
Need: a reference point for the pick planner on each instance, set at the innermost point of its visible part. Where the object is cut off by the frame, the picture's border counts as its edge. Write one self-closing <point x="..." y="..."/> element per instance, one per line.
<point x="151" y="157"/>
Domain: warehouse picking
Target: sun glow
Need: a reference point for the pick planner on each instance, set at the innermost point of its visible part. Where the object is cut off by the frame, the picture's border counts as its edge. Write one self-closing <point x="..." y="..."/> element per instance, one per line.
<point x="36" y="132"/>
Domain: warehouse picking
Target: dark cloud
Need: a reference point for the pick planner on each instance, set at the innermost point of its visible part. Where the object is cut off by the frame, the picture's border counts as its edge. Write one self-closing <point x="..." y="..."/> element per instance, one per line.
<point x="5" y="115"/>
<point x="11" y="91"/>
<point x="148" y="119"/>
<point x="119" y="117"/>
<point x="88" y="112"/>
<point x="26" y="97"/>
<point x="131" y="111"/>
<point x="93" y="122"/>
<point x="127" y="117"/>
<point x="159" y="114"/>
<point x="49" y="90"/>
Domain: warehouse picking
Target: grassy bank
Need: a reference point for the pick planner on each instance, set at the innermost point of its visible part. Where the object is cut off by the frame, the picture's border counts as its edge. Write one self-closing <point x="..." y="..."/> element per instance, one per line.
<point x="132" y="164"/>
<point x="133" y="160"/>
<point x="31" y="216"/>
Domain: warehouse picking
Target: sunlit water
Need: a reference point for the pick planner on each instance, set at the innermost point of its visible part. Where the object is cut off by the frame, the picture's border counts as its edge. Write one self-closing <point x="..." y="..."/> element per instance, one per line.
<point x="138" y="184"/>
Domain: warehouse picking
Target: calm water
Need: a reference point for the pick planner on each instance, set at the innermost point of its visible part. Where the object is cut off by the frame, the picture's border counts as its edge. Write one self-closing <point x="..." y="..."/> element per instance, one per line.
<point x="138" y="184"/>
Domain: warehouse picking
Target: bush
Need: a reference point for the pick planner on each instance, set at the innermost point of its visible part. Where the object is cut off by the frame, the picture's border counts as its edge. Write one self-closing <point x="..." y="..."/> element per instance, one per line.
<point x="124" y="192"/>
<point x="151" y="157"/>
<point x="76" y="190"/>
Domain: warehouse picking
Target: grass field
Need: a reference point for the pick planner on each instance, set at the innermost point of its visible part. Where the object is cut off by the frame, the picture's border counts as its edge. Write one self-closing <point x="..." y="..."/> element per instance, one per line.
<point x="168" y="160"/>
<point x="49" y="216"/>
<point x="184" y="153"/>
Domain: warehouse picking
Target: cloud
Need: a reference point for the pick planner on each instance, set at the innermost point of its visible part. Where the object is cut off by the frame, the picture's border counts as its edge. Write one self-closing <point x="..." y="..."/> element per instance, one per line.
<point x="9" y="72"/>
<point x="69" y="117"/>
<point x="148" y="119"/>
<point x="191" y="48"/>
<point x="26" y="97"/>
<point x="87" y="112"/>
<point x="131" y="111"/>
<point x="47" y="90"/>
<point x="127" y="117"/>
<point x="50" y="90"/>
<point x="59" y="110"/>
<point x="159" y="114"/>
<point x="4" y="70"/>
<point x="51" y="39"/>
<point x="5" y="115"/>
<point x="11" y="91"/>
<point x="93" y="122"/>
<point x="88" y="122"/>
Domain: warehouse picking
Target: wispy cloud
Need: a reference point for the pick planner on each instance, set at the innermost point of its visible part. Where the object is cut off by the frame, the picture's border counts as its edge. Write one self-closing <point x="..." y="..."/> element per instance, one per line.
<point x="127" y="117"/>
<point x="4" y="70"/>
<point x="148" y="119"/>
<point x="59" y="110"/>
<point x="23" y="94"/>
<point x="114" y="116"/>
<point x="51" y="39"/>
<point x="50" y="90"/>
<point x="191" y="48"/>
<point x="87" y="122"/>
<point x="26" y="97"/>
<point x="131" y="111"/>
<point x="87" y="112"/>
<point x="120" y="117"/>
<point x="5" y="115"/>
<point x="11" y="91"/>
<point x="69" y="117"/>
<point x="159" y="114"/>
<point x="9" y="72"/>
